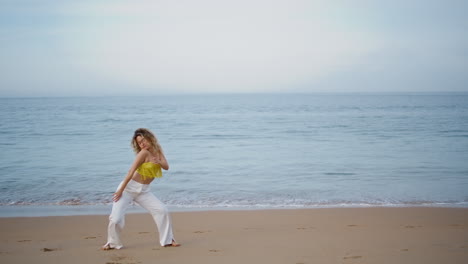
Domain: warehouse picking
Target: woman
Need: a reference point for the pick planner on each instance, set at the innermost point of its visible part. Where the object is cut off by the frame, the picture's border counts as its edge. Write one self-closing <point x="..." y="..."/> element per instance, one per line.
<point x="135" y="188"/>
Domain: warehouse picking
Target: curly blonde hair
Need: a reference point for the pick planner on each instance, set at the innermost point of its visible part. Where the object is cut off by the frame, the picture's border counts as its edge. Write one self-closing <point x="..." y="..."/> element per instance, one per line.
<point x="149" y="136"/>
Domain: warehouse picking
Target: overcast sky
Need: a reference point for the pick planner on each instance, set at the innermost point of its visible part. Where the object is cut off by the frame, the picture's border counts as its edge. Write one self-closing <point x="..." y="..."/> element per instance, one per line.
<point x="114" y="47"/>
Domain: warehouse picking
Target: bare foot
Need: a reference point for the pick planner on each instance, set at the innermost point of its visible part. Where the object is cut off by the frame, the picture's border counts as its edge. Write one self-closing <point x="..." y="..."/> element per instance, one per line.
<point x="107" y="247"/>
<point x="173" y="244"/>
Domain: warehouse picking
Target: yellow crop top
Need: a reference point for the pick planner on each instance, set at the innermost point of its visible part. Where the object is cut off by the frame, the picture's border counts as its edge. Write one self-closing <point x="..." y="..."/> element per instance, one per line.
<point x="149" y="170"/>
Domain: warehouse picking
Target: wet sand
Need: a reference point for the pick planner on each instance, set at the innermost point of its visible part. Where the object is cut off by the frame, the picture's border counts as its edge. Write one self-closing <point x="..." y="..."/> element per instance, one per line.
<point x="338" y="235"/>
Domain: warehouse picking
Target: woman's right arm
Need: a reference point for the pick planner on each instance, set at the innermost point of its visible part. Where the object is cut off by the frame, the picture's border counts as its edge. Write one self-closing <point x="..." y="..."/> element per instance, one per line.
<point x="139" y="159"/>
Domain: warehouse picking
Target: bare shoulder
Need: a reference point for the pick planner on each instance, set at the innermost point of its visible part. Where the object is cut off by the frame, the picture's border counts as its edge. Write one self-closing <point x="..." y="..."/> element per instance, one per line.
<point x="145" y="151"/>
<point x="143" y="154"/>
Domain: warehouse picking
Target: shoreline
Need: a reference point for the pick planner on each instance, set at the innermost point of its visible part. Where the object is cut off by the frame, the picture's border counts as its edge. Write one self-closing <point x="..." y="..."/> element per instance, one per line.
<point x="9" y="211"/>
<point x="321" y="235"/>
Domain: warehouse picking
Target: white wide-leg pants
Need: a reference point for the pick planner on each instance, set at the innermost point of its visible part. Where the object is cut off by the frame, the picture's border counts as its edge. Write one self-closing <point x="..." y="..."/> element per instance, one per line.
<point x="139" y="193"/>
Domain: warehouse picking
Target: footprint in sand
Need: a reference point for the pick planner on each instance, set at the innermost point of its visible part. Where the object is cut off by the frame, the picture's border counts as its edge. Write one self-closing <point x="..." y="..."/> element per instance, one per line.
<point x="48" y="249"/>
<point x="214" y="250"/>
<point x="353" y="257"/>
<point x="305" y="228"/>
<point x="412" y="226"/>
<point x="119" y="259"/>
<point x="201" y="232"/>
<point x="253" y="228"/>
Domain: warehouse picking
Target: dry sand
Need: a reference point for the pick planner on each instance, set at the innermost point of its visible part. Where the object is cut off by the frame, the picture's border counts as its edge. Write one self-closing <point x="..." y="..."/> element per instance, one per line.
<point x="344" y="235"/>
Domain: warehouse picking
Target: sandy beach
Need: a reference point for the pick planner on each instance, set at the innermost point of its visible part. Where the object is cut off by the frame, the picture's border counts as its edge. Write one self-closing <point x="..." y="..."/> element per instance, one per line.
<point x="344" y="235"/>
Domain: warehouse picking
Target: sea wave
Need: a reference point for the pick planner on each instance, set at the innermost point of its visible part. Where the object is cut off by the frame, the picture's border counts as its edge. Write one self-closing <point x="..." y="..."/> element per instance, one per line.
<point x="254" y="204"/>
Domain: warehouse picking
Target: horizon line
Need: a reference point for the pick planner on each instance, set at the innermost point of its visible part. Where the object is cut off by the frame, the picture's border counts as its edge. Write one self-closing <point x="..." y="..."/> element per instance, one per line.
<point x="241" y="93"/>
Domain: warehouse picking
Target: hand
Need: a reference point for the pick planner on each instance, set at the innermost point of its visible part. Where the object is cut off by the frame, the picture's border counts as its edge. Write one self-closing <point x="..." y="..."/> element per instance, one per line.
<point x="117" y="196"/>
<point x="155" y="160"/>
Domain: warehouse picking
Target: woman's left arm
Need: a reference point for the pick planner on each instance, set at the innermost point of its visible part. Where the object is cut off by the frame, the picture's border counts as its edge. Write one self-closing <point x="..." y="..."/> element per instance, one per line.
<point x="163" y="161"/>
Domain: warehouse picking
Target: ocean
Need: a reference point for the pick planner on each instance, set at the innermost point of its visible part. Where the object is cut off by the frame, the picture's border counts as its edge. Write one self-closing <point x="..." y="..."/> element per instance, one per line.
<point x="65" y="156"/>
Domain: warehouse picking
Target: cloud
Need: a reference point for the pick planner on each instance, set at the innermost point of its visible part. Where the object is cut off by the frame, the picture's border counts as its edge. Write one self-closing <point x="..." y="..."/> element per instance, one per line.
<point x="211" y="46"/>
<point x="147" y="47"/>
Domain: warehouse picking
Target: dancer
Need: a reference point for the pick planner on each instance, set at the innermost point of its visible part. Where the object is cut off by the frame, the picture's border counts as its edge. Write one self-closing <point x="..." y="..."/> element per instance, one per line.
<point x="136" y="188"/>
